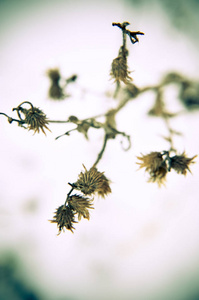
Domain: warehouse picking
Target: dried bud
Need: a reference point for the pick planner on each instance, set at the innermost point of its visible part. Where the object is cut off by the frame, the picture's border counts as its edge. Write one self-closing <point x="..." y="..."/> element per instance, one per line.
<point x="155" y="166"/>
<point x="80" y="205"/>
<point x="55" y="90"/>
<point x="73" y="119"/>
<point x="72" y="78"/>
<point x="93" y="181"/>
<point x="119" y="70"/>
<point x="189" y="94"/>
<point x="180" y="163"/>
<point x="83" y="127"/>
<point x="54" y="75"/>
<point x="132" y="90"/>
<point x="64" y="217"/>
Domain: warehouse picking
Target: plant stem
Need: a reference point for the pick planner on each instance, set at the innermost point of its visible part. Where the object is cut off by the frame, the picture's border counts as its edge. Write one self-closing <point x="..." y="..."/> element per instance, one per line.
<point x="68" y="195"/>
<point x="102" y="150"/>
<point x="10" y="120"/>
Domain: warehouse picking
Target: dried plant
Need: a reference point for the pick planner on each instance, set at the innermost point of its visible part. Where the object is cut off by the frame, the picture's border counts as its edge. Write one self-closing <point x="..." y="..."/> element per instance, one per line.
<point x="159" y="164"/>
<point x="93" y="183"/>
<point x="56" y="90"/>
<point x="64" y="217"/>
<point x="32" y="119"/>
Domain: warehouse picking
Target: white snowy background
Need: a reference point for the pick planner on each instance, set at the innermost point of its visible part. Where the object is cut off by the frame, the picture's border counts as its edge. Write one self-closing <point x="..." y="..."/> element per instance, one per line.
<point x="141" y="242"/>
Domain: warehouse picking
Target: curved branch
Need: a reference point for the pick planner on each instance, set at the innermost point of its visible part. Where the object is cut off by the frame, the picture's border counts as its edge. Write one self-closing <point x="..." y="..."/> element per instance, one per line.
<point x="102" y="150"/>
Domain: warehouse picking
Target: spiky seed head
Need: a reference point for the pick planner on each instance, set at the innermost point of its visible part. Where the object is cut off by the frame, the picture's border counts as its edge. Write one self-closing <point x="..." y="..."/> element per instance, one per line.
<point x="35" y="119"/>
<point x="155" y="165"/>
<point x="64" y="217"/>
<point x="81" y="206"/>
<point x="54" y="74"/>
<point x="93" y="181"/>
<point x="119" y="70"/>
<point x="181" y="163"/>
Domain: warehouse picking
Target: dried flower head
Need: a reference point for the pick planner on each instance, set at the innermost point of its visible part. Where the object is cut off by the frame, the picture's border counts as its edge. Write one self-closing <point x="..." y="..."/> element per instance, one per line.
<point x="155" y="165"/>
<point x="159" y="175"/>
<point x="81" y="206"/>
<point x="93" y="181"/>
<point x="151" y="161"/>
<point x="119" y="70"/>
<point x="34" y="118"/>
<point x="54" y="74"/>
<point x="181" y="163"/>
<point x="64" y="217"/>
<point x="55" y="90"/>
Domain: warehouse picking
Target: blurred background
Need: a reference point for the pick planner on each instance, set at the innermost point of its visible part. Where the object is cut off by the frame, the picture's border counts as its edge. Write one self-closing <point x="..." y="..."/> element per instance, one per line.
<point x="141" y="242"/>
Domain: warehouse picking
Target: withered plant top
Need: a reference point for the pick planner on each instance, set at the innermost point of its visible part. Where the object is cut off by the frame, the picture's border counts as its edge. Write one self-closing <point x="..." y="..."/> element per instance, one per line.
<point x="91" y="183"/>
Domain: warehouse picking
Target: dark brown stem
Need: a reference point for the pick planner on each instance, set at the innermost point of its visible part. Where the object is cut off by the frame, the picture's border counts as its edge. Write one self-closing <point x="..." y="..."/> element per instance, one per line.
<point x="171" y="133"/>
<point x="102" y="150"/>
<point x="68" y="195"/>
<point x="26" y="102"/>
<point x="116" y="89"/>
<point x="67" y="121"/>
<point x="57" y="121"/>
<point x="66" y="133"/>
<point x="124" y="41"/>
<point x="10" y="120"/>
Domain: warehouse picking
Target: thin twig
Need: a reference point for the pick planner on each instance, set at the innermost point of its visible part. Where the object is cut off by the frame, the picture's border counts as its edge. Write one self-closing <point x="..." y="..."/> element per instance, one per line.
<point x="66" y="133"/>
<point x="102" y="150"/>
<point x="67" y="121"/>
<point x="57" y="121"/>
<point x="68" y="195"/>
<point x="116" y="89"/>
<point x="10" y="120"/>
